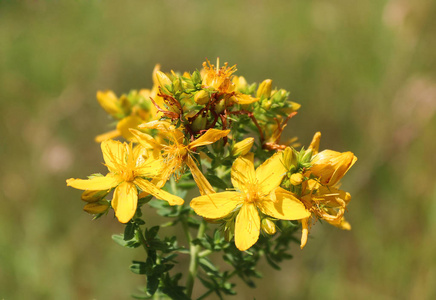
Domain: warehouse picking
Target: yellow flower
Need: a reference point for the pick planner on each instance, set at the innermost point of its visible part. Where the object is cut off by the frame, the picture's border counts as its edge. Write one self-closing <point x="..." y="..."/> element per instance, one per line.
<point x="256" y="191"/>
<point x="128" y="167"/>
<point x="220" y="79"/>
<point x="176" y="154"/>
<point x="330" y="166"/>
<point x="324" y="202"/>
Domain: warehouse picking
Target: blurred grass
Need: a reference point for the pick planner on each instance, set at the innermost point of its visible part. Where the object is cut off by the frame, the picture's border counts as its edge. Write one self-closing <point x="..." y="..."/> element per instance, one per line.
<point x="365" y="73"/>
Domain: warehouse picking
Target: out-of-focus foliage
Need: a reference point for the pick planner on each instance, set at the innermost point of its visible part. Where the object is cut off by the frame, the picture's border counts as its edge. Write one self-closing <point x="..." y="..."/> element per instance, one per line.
<point x="364" y="70"/>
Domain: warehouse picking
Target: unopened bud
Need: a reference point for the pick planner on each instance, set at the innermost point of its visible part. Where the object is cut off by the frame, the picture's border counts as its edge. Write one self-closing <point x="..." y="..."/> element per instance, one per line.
<point x="239" y="82"/>
<point x="220" y="106"/>
<point x="243" y="147"/>
<point x="125" y="104"/>
<point x="280" y="95"/>
<point x="307" y="156"/>
<point x="109" y="101"/>
<point x="94" y="196"/>
<point x="289" y="159"/>
<point x="163" y="79"/>
<point x="268" y="226"/>
<point x="199" y="123"/>
<point x="202" y="97"/>
<point x="95" y="208"/>
<point x="296" y="179"/>
<point x="264" y="89"/>
<point x="266" y="104"/>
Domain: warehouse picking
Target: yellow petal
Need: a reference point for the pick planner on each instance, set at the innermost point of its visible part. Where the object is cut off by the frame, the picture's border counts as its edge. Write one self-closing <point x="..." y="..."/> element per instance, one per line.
<point x="146" y="140"/>
<point x="243" y="147"/>
<point x="243" y="172"/>
<point x="240" y="98"/>
<point x="154" y="74"/>
<point x="114" y="154"/>
<point x="150" y="188"/>
<point x="108" y="100"/>
<point x="304" y="233"/>
<point x="95" y="184"/>
<point x="149" y="164"/>
<point x="201" y="181"/>
<point x="314" y="145"/>
<point x="125" y="201"/>
<point x="286" y="206"/>
<point x="247" y="227"/>
<point x="216" y="206"/>
<point x="269" y="175"/>
<point x="210" y="137"/>
<point x="108" y="135"/>
<point x="125" y="124"/>
<point x="331" y="165"/>
<point x="264" y="89"/>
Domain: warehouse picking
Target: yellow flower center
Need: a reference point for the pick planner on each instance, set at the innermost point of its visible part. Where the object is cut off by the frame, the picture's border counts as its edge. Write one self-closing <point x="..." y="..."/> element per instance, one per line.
<point x="252" y="193"/>
<point x="128" y="174"/>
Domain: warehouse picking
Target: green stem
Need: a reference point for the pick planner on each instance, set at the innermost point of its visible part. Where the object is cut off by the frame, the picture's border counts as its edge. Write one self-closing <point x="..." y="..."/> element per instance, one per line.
<point x="193" y="264"/>
<point x="141" y="238"/>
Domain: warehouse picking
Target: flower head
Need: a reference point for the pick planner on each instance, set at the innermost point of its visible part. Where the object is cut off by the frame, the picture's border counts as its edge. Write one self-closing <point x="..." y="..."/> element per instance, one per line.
<point x="257" y="193"/>
<point x="128" y="167"/>
<point x="220" y="80"/>
<point x="176" y="151"/>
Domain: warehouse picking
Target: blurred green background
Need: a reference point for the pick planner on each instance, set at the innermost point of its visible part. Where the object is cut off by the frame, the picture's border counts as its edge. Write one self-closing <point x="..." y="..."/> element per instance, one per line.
<point x="364" y="72"/>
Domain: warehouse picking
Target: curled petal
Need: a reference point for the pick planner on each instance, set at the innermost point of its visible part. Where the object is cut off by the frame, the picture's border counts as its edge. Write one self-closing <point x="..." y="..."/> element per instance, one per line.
<point x="240" y="98"/>
<point x="247" y="227"/>
<point x="210" y="137"/>
<point x="150" y="188"/>
<point x="304" y="233"/>
<point x="314" y="145"/>
<point x="146" y="140"/>
<point x="108" y="135"/>
<point x="202" y="183"/>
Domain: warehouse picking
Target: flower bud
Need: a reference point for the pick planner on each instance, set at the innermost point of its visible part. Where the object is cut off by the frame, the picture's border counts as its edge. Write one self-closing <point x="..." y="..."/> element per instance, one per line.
<point x="266" y="104"/>
<point x="330" y="166"/>
<point x="199" y="123"/>
<point x="268" y="226"/>
<point x="95" y="208"/>
<point x="296" y="179"/>
<point x="279" y="95"/>
<point x="306" y="157"/>
<point x="220" y="106"/>
<point x="93" y="196"/>
<point x="264" y="89"/>
<point x="163" y="79"/>
<point x="289" y="159"/>
<point x="202" y="97"/>
<point x="109" y="101"/>
<point x="239" y="82"/>
<point x="243" y="147"/>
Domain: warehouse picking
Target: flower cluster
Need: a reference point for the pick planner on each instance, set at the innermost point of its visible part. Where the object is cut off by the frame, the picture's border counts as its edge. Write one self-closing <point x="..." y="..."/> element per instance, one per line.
<point x="214" y="128"/>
